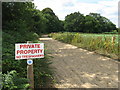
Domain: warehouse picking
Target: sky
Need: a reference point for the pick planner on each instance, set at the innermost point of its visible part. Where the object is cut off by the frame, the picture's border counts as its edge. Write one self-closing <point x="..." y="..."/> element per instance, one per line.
<point x="106" y="8"/>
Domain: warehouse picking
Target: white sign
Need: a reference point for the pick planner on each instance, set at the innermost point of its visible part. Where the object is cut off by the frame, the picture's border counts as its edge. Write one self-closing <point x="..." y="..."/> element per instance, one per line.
<point x="29" y="62"/>
<point x="29" y="50"/>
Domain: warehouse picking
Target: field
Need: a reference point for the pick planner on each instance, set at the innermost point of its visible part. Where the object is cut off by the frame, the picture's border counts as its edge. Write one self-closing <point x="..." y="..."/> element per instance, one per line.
<point x="105" y="44"/>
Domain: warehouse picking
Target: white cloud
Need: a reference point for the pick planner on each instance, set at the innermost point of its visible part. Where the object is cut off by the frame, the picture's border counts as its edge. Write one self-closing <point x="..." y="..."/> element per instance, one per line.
<point x="62" y="8"/>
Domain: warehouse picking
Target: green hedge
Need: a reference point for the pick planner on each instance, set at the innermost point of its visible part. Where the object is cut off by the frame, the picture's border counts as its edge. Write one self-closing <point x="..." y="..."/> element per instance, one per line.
<point x="42" y="71"/>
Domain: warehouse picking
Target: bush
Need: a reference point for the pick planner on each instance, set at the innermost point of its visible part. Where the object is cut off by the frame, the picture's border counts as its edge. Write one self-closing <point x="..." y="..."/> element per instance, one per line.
<point x="11" y="81"/>
<point x="113" y="32"/>
<point x="19" y="27"/>
<point x="43" y="73"/>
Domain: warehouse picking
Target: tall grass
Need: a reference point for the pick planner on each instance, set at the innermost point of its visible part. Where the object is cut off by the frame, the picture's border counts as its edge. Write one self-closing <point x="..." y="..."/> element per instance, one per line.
<point x="106" y="44"/>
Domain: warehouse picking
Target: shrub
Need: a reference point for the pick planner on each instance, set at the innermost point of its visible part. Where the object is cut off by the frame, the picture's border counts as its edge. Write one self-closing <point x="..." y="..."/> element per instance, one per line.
<point x="11" y="81"/>
<point x="41" y="66"/>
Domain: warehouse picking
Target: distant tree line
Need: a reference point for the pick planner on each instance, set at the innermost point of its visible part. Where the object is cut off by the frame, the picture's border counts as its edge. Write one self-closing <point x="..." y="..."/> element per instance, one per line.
<point x="48" y="22"/>
<point x="92" y="23"/>
<point x="74" y="22"/>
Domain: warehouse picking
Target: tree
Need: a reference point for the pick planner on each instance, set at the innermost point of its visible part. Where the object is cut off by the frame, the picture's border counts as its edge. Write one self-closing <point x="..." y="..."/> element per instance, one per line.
<point x="74" y="22"/>
<point x="102" y="24"/>
<point x="89" y="24"/>
<point x="39" y="22"/>
<point x="17" y="13"/>
<point x="92" y="23"/>
<point x="20" y="22"/>
<point x="53" y="22"/>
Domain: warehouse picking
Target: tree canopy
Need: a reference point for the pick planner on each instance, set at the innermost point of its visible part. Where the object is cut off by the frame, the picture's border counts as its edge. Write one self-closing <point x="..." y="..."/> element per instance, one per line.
<point x="92" y="23"/>
<point x="53" y="22"/>
<point x="46" y="21"/>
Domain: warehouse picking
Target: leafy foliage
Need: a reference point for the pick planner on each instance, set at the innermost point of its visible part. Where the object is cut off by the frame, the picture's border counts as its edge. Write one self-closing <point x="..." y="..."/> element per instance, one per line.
<point x="74" y="22"/>
<point x="92" y="23"/>
<point x="22" y="24"/>
<point x="101" y="43"/>
<point x="53" y="23"/>
<point x="43" y="73"/>
<point x="11" y="81"/>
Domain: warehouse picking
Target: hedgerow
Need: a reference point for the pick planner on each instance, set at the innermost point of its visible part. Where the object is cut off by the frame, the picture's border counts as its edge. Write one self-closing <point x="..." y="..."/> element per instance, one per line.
<point x="106" y="44"/>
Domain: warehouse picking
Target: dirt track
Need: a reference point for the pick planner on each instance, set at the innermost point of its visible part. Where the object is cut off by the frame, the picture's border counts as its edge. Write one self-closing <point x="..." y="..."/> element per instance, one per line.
<point x="79" y="68"/>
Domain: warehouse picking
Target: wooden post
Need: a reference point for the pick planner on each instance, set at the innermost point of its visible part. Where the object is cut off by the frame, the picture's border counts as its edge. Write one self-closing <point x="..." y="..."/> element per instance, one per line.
<point x="30" y="74"/>
<point x="113" y="41"/>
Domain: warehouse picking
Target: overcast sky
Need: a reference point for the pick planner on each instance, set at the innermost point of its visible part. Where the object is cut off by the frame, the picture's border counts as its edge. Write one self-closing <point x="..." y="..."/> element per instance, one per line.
<point x="107" y="8"/>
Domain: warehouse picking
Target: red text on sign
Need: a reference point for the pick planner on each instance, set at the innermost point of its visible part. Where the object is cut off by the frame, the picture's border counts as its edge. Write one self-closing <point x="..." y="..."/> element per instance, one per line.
<point x="30" y="46"/>
<point x="33" y="51"/>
